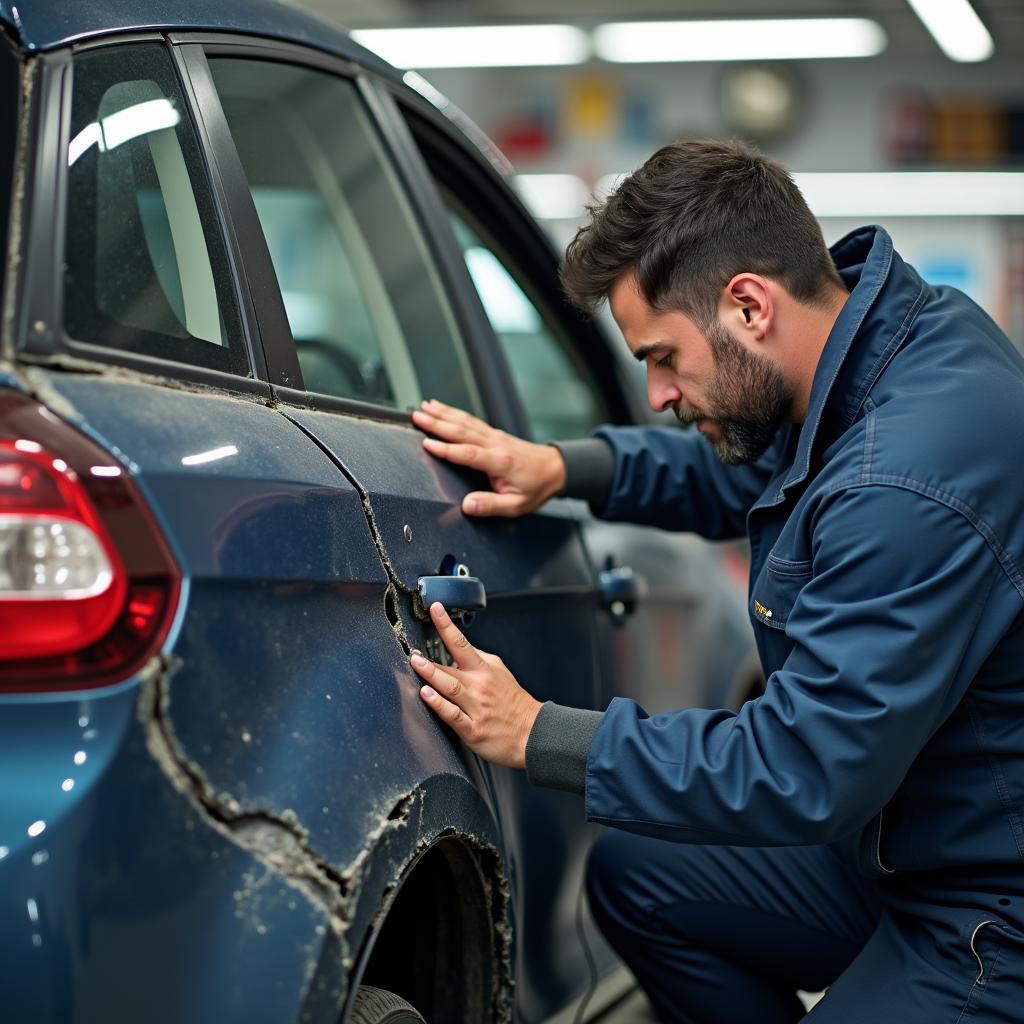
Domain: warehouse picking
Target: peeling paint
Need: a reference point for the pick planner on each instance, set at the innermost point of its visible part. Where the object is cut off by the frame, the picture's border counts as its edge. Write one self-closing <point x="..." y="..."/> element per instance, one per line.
<point x="42" y="390"/>
<point x="278" y="841"/>
<point x="280" y="845"/>
<point x="499" y="900"/>
<point x="499" y="897"/>
<point x="113" y="371"/>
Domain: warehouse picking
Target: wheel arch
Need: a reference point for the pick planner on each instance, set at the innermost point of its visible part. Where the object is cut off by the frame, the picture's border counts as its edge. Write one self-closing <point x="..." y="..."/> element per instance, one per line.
<point x="404" y="926"/>
<point x="444" y="918"/>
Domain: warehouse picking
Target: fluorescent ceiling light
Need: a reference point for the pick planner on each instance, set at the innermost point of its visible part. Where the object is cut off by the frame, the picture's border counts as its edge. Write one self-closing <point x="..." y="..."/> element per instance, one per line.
<point x="642" y="42"/>
<point x="477" y="46"/>
<point x="914" y="193"/>
<point x="956" y="27"/>
<point x="553" y="196"/>
<point x="871" y="194"/>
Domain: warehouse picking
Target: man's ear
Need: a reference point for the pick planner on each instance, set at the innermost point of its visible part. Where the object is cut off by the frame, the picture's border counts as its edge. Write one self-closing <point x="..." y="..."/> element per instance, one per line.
<point x="746" y="304"/>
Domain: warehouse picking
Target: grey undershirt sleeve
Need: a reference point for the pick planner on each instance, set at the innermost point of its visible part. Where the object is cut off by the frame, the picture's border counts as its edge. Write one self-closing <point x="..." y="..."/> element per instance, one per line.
<point x="589" y="469"/>
<point x="556" y="751"/>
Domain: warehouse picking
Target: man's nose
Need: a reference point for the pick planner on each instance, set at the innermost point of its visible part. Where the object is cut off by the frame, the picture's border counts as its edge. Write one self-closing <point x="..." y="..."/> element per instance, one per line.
<point x="662" y="393"/>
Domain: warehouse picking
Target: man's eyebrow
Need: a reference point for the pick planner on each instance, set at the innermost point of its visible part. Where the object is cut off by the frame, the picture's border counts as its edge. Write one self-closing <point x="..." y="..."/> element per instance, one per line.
<point x="644" y="351"/>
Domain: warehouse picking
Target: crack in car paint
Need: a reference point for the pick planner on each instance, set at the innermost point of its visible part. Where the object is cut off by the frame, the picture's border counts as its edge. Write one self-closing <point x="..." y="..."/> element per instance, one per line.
<point x="500" y="897"/>
<point x="278" y="841"/>
<point x="395" y="584"/>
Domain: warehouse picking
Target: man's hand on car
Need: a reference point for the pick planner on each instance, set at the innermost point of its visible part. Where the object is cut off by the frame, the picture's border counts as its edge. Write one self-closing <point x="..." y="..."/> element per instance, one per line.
<point x="523" y="475"/>
<point x="477" y="696"/>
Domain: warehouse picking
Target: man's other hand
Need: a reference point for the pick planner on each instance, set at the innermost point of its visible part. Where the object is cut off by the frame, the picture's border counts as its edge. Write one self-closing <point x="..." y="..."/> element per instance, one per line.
<point x="477" y="696"/>
<point x="522" y="475"/>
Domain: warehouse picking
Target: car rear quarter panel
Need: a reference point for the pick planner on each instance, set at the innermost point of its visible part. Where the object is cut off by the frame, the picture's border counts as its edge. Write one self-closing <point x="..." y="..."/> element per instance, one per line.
<point x="245" y="803"/>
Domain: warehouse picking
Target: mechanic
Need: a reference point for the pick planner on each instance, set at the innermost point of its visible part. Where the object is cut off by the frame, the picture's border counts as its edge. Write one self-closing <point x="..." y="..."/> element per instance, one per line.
<point x="860" y="826"/>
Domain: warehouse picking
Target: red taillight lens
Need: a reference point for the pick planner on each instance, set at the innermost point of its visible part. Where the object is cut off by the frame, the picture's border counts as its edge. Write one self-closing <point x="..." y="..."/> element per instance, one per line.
<point x="87" y="585"/>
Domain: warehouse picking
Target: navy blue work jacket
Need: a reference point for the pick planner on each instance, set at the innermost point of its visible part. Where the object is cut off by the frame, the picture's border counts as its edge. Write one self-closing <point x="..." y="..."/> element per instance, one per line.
<point x="887" y="543"/>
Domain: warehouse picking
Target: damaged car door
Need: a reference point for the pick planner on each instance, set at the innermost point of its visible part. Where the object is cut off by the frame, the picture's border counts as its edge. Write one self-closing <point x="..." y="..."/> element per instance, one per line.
<point x="371" y="332"/>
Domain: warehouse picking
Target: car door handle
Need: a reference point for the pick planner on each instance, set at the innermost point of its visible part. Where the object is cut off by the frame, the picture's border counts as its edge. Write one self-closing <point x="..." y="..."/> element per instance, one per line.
<point x="461" y="596"/>
<point x="620" y="589"/>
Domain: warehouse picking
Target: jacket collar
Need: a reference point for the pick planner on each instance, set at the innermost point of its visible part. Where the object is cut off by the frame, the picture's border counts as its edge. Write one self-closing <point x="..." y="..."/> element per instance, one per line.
<point x="885" y="294"/>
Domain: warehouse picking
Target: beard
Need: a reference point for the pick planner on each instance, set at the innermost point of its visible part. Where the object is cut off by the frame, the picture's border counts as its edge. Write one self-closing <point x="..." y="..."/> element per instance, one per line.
<point x="749" y="396"/>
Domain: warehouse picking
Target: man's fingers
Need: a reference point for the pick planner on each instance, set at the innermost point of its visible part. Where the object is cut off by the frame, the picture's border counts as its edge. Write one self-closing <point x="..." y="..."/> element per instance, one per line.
<point x="466" y="656"/>
<point x="449" y="430"/>
<point x="442" y="681"/>
<point x="447" y="711"/>
<point x="439" y="413"/>
<point x="493" y="461"/>
<point x="489" y="503"/>
<point x="449" y="412"/>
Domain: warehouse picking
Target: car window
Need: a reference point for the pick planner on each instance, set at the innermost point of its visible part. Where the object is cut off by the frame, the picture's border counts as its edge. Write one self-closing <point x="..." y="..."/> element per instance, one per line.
<point x="146" y="268"/>
<point x="560" y="398"/>
<point x="364" y="303"/>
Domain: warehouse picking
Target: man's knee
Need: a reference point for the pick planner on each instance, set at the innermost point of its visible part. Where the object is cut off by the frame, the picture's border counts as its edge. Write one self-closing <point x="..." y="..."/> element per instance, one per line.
<point x="608" y="875"/>
<point x="631" y="878"/>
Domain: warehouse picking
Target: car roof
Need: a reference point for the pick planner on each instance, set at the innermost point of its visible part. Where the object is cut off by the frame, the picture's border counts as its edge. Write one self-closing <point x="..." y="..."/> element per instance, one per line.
<point x="47" y="24"/>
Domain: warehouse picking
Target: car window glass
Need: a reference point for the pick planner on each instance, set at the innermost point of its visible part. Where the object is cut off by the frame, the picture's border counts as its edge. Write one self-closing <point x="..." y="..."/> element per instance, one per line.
<point x="560" y="399"/>
<point x="364" y="304"/>
<point x="146" y="266"/>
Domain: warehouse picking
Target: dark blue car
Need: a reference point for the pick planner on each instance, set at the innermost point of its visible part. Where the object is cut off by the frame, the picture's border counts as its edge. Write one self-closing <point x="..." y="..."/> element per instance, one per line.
<point x="237" y="248"/>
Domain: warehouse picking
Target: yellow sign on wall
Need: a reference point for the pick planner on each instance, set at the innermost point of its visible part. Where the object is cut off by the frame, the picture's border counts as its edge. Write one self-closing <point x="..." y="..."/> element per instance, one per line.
<point x="593" y="107"/>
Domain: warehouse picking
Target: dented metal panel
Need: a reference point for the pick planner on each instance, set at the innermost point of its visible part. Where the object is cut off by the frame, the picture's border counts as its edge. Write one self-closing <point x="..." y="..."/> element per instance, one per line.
<point x="282" y="716"/>
<point x="541" y="608"/>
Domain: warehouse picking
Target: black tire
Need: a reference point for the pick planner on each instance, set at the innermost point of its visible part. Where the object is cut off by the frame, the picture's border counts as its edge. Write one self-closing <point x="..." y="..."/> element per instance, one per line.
<point x="377" y="1006"/>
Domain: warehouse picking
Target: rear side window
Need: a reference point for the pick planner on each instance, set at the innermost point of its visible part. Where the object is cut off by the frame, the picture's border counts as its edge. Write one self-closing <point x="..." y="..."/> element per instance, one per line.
<point x="365" y="306"/>
<point x="146" y="266"/>
<point x="559" y="396"/>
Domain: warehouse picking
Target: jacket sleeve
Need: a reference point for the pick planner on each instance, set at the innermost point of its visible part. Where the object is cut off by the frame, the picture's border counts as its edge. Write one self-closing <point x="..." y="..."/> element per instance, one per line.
<point x="888" y="633"/>
<point x="670" y="477"/>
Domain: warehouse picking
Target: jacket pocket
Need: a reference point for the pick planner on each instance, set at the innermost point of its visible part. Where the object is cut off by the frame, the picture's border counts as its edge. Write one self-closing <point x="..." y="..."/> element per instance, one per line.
<point x="777" y="588"/>
<point x="996" y="961"/>
<point x="863" y="850"/>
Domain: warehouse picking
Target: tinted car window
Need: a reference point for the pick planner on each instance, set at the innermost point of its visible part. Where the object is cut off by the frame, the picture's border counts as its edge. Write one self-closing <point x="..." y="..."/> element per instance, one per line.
<point x="560" y="399"/>
<point x="146" y="267"/>
<point x="364" y="305"/>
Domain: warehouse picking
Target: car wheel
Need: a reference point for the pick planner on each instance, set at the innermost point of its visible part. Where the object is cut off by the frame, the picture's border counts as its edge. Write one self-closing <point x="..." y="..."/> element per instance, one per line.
<point x="377" y="1006"/>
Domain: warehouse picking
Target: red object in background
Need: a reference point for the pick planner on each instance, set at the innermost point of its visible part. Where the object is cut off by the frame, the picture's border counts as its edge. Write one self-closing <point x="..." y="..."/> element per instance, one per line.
<point x="909" y="127"/>
<point x="736" y="564"/>
<point x="524" y="137"/>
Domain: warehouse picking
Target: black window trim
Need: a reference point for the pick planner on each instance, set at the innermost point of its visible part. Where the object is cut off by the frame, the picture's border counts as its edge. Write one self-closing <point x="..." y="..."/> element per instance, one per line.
<point x="40" y="333"/>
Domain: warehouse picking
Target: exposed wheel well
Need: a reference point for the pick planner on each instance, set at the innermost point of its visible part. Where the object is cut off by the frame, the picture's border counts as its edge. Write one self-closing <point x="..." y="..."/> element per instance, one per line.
<point x="439" y="946"/>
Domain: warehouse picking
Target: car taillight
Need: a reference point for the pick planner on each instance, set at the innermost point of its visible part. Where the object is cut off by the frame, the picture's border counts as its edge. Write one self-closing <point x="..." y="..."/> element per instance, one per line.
<point x="87" y="584"/>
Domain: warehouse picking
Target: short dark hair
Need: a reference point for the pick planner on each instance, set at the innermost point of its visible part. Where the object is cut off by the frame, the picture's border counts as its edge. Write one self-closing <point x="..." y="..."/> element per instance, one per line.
<point x="696" y="214"/>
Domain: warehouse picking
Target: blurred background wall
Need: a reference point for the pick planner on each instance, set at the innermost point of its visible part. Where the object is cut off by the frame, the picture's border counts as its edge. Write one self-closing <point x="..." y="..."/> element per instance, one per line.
<point x="866" y="135"/>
